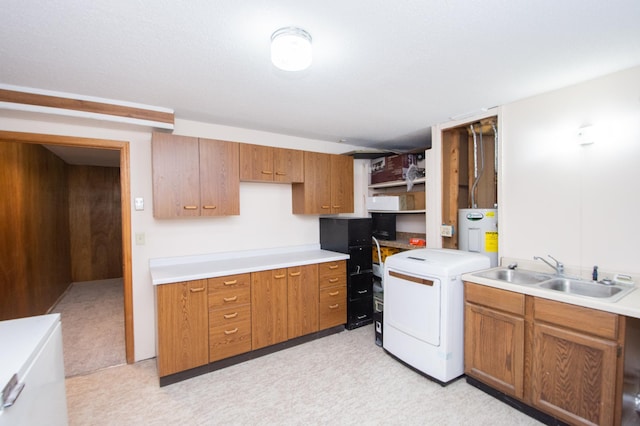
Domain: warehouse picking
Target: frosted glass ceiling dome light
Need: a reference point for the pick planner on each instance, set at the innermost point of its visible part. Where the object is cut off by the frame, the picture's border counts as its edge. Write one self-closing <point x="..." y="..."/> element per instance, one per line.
<point x="291" y="49"/>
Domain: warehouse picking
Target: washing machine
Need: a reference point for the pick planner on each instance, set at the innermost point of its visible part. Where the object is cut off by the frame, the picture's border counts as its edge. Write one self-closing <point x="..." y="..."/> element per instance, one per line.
<point x="423" y="322"/>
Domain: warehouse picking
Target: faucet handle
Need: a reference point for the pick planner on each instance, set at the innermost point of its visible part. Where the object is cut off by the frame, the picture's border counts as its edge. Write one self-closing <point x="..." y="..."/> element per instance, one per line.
<point x="558" y="263"/>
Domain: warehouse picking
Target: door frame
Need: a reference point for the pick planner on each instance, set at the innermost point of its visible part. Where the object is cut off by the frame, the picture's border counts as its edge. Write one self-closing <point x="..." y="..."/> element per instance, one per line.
<point x="125" y="198"/>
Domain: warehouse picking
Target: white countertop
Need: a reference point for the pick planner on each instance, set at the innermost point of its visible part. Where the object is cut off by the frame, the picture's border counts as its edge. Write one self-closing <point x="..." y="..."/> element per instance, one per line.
<point x="186" y="268"/>
<point x="629" y="305"/>
<point x="21" y="340"/>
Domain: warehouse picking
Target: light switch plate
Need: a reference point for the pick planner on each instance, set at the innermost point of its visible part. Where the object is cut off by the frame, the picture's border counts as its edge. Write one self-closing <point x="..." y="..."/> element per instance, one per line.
<point x="138" y="203"/>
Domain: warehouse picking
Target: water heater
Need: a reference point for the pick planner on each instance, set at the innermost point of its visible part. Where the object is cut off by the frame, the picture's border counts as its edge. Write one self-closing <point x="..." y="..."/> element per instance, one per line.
<point x="478" y="232"/>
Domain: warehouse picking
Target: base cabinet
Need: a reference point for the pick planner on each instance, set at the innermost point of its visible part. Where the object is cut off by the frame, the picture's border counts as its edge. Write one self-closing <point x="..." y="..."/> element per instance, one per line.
<point x="559" y="358"/>
<point x="182" y="326"/>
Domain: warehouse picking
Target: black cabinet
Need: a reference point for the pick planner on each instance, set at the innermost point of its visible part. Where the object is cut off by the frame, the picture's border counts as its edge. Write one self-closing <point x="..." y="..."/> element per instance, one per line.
<point x="353" y="236"/>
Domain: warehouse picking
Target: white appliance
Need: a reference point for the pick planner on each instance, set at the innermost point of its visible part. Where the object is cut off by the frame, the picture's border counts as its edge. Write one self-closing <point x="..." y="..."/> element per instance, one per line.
<point x="423" y="323"/>
<point x="32" y="372"/>
<point x="478" y="232"/>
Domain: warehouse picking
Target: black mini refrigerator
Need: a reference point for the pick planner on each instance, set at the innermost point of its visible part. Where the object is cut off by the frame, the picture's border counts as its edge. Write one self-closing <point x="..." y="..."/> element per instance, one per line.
<point x="352" y="235"/>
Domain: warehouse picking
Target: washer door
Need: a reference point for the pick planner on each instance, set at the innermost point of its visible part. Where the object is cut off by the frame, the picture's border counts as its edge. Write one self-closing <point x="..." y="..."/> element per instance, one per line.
<point x="412" y="305"/>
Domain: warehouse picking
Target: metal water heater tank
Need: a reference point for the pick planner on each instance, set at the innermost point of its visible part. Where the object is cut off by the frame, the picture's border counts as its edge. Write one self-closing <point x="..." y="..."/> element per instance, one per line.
<point x="478" y="232"/>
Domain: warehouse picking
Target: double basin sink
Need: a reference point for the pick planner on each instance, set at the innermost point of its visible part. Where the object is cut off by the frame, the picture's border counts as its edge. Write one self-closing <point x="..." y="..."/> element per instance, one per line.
<point x="572" y="286"/>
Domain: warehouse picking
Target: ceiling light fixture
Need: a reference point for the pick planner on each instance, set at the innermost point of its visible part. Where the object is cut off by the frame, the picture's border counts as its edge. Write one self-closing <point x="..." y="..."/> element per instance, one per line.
<point x="291" y="49"/>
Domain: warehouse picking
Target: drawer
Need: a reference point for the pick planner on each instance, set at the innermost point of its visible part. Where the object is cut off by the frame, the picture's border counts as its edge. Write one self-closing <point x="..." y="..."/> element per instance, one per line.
<point x="229" y="340"/>
<point x="592" y="321"/>
<point x="360" y="310"/>
<point x="333" y="306"/>
<point x="337" y="268"/>
<point x="507" y="301"/>
<point x="229" y="282"/>
<point x="233" y="295"/>
<point x="360" y="285"/>
<point x="229" y="315"/>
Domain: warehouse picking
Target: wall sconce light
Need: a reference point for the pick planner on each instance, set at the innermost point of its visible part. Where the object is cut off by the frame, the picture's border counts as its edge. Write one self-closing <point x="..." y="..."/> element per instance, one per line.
<point x="291" y="49"/>
<point x="586" y="135"/>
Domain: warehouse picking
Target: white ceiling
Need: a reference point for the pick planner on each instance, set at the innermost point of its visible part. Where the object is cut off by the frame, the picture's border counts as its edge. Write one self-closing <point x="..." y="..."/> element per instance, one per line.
<point x="383" y="72"/>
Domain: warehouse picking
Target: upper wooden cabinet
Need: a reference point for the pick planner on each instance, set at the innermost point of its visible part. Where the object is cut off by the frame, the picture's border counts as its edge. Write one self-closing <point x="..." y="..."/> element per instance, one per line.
<point x="269" y="164"/>
<point x="194" y="177"/>
<point x="327" y="187"/>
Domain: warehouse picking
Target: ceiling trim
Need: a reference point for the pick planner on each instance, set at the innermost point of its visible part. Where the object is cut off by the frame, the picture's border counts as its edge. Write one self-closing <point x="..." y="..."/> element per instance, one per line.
<point x="26" y="99"/>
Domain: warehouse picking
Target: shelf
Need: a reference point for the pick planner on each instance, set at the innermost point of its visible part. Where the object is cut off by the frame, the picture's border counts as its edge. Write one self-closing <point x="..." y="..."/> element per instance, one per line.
<point x="397" y="211"/>
<point x="395" y="183"/>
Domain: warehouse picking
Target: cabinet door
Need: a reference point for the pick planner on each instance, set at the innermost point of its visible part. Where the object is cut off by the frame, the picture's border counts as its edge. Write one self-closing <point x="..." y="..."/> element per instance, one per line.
<point x="341" y="184"/>
<point x="494" y="348"/>
<point x="314" y="195"/>
<point x="288" y="165"/>
<point x="256" y="163"/>
<point x="176" y="178"/>
<point x="183" y="340"/>
<point x="303" y="298"/>
<point x="219" y="178"/>
<point x="268" y="307"/>
<point x="573" y="375"/>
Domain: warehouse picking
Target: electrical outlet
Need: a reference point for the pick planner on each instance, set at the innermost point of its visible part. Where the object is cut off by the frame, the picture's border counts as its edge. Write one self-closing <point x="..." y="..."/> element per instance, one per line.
<point x="140" y="238"/>
<point x="446" y="230"/>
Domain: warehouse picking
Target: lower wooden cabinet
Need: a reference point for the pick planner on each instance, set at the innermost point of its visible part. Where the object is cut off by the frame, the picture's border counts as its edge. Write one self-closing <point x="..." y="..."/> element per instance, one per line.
<point x="204" y="321"/>
<point x="559" y="358"/>
<point x="229" y="316"/>
<point x="182" y="326"/>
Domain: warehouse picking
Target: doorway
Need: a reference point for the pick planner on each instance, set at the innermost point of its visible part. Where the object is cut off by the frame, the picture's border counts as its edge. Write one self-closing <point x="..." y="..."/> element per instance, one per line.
<point x="123" y="148"/>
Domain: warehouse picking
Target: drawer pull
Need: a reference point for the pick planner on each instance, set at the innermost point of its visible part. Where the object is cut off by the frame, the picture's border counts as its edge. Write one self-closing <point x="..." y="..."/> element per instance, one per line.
<point x="295" y="274"/>
<point x="333" y="266"/>
<point x="325" y="207"/>
<point x="334" y="293"/>
<point x="230" y="299"/>
<point x="334" y="280"/>
<point x="333" y="306"/>
<point x="363" y="291"/>
<point x="232" y="282"/>
<point x="196" y="290"/>
<point x="229" y="316"/>
<point x="209" y="207"/>
<point x="267" y="172"/>
<point x="190" y="207"/>
<point x="279" y="276"/>
<point x="228" y="332"/>
<point x="361" y="317"/>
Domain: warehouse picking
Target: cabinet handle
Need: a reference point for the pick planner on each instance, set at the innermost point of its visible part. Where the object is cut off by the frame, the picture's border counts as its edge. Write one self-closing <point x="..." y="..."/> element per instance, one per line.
<point x="325" y="207"/>
<point x="333" y="306"/>
<point x="361" y="316"/>
<point x="190" y="207"/>
<point x="333" y="266"/>
<point x="228" y="332"/>
<point x="363" y="291"/>
<point x="267" y="172"/>
<point x="279" y="276"/>
<point x="229" y="316"/>
<point x="232" y="282"/>
<point x="336" y="207"/>
<point x="335" y="293"/>
<point x="294" y="274"/>
<point x="196" y="290"/>
<point x="209" y="207"/>
<point x="281" y="173"/>
<point x="334" y="280"/>
<point x="230" y="299"/>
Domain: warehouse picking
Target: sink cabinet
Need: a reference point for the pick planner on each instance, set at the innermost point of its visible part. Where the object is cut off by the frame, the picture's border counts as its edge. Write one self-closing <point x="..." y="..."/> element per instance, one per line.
<point x="562" y="359"/>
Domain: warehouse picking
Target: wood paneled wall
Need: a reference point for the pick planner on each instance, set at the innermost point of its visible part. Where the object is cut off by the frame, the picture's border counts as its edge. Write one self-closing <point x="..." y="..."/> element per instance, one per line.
<point x="95" y="223"/>
<point x="34" y="223"/>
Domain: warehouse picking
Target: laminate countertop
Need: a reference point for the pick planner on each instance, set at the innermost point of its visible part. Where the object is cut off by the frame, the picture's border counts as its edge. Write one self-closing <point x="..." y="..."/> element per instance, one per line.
<point x="187" y="268"/>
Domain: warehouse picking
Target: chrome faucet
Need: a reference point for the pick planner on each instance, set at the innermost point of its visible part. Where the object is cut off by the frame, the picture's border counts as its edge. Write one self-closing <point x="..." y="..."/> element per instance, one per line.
<point x="559" y="267"/>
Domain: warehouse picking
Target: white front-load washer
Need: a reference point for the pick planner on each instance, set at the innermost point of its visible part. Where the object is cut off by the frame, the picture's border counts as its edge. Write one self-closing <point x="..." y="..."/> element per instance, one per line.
<point x="423" y="322"/>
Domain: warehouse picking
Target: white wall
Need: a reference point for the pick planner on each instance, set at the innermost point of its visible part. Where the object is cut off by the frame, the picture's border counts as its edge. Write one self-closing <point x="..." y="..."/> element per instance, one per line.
<point x="576" y="203"/>
<point x="265" y="220"/>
